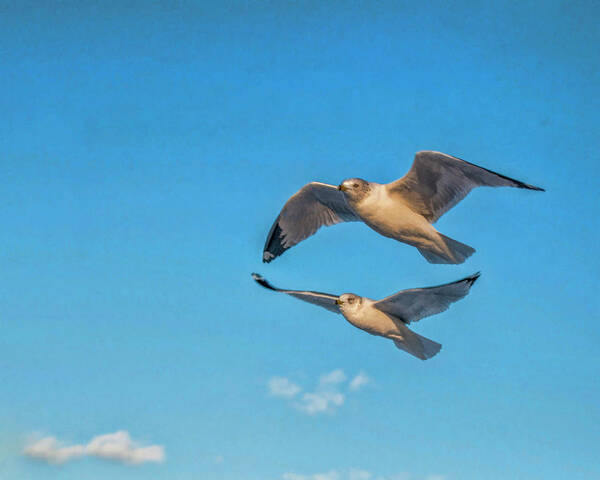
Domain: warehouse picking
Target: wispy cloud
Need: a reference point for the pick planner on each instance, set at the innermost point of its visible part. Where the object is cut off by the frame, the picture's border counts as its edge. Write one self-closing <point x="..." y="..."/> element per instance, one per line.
<point x="50" y="450"/>
<point x="319" y="402"/>
<point x="328" y="394"/>
<point x="333" y="378"/>
<point x="356" y="474"/>
<point x="359" y="381"/>
<point x="332" y="475"/>
<point x="116" y="446"/>
<point x="282" y="387"/>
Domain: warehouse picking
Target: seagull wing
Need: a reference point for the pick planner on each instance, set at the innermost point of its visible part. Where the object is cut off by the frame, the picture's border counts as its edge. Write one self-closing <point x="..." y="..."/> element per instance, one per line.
<point x="436" y="182"/>
<point x="316" y="298"/>
<point x="417" y="303"/>
<point x="314" y="205"/>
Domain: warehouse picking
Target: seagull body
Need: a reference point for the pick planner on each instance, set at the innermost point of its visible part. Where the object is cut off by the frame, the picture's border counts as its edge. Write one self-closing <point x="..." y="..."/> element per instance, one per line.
<point x="403" y="210"/>
<point x="392" y="218"/>
<point x="389" y="317"/>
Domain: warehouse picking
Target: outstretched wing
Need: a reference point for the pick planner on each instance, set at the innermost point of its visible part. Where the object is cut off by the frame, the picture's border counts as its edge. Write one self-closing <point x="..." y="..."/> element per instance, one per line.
<point x="317" y="298"/>
<point x="314" y="205"/>
<point x="436" y="182"/>
<point x="417" y="303"/>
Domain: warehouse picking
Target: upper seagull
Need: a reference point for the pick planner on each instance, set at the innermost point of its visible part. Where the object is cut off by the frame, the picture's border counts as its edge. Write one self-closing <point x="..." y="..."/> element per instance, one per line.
<point x="404" y="209"/>
<point x="389" y="317"/>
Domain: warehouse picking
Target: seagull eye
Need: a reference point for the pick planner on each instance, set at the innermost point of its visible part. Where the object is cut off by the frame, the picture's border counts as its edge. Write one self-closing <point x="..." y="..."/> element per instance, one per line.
<point x="350" y="300"/>
<point x="355" y="185"/>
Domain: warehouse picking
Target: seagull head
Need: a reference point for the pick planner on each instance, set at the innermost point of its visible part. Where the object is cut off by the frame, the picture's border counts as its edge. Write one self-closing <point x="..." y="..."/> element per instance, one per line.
<point x="349" y="301"/>
<point x="355" y="188"/>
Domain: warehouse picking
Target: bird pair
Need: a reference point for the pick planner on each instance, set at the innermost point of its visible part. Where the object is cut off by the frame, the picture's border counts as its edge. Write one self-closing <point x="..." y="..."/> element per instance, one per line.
<point x="403" y="210"/>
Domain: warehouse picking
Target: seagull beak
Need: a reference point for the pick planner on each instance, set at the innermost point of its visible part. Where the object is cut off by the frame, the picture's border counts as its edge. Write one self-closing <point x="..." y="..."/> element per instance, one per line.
<point x="337" y="301"/>
<point x="341" y="187"/>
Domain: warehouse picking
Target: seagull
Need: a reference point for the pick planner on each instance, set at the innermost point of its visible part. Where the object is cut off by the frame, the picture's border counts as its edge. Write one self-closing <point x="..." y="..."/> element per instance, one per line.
<point x="389" y="317"/>
<point x="403" y="210"/>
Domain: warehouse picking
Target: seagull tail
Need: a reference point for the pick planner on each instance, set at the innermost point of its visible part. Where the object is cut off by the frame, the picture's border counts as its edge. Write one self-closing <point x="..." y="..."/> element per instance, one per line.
<point x="428" y="348"/>
<point x="455" y="253"/>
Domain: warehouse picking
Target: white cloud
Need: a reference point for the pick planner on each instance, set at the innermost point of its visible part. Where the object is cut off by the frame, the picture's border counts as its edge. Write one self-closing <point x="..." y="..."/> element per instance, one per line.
<point x="320" y="402"/>
<point x="116" y="446"/>
<point x="332" y="475"/>
<point x="282" y="387"/>
<point x="359" y="381"/>
<point x="119" y="446"/>
<point x="333" y="378"/>
<point x="327" y="395"/>
<point x="356" y="474"/>
<point x="293" y="476"/>
<point x="50" y="450"/>
<point x="409" y="476"/>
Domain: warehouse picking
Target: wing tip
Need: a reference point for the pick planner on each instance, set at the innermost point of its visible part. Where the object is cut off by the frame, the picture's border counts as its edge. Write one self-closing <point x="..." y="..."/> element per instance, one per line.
<point x="533" y="187"/>
<point x="274" y="246"/>
<point x="520" y="184"/>
<point x="471" y="279"/>
<point x="262" y="281"/>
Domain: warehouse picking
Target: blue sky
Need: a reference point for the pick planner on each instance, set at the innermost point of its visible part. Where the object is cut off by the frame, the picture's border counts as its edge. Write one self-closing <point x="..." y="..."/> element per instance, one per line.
<point x="148" y="146"/>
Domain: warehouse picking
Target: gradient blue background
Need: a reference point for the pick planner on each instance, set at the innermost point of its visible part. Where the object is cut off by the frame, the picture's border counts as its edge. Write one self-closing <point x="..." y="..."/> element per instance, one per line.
<point x="146" y="148"/>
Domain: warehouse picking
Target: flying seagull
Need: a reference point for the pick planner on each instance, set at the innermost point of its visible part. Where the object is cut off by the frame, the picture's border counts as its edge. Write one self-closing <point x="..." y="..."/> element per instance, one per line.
<point x="404" y="209"/>
<point x="389" y="317"/>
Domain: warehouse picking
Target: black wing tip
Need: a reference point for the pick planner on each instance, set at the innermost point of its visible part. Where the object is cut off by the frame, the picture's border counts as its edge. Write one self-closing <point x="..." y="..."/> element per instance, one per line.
<point x="262" y="281"/>
<point x="537" y="189"/>
<point x="472" y="278"/>
<point x="526" y="186"/>
<point x="274" y="246"/>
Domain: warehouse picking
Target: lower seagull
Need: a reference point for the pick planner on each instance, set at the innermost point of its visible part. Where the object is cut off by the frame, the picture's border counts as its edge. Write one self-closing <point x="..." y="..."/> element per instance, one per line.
<point x="389" y="317"/>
